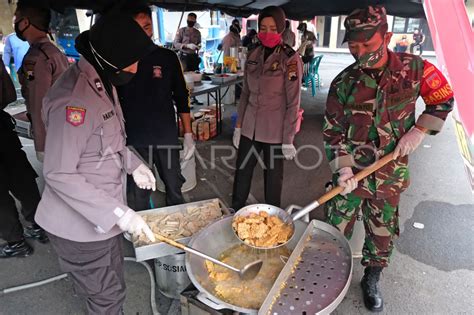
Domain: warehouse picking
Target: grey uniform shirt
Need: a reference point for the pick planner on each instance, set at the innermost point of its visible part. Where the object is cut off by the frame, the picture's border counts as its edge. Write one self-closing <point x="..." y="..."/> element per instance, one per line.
<point x="187" y="35"/>
<point x="271" y="95"/>
<point x="230" y="40"/>
<point x="85" y="158"/>
<point x="41" y="67"/>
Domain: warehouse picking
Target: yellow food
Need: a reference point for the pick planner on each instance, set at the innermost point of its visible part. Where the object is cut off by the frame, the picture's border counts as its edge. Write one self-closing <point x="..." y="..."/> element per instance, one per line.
<point x="262" y="229"/>
<point x="227" y="284"/>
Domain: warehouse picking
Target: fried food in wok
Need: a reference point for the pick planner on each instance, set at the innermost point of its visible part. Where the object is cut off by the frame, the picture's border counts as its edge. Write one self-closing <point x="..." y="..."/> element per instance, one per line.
<point x="229" y="287"/>
<point x="180" y="224"/>
<point x="262" y="229"/>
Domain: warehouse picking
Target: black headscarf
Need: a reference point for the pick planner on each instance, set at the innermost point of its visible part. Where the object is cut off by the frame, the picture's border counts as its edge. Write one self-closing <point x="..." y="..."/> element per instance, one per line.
<point x="113" y="43"/>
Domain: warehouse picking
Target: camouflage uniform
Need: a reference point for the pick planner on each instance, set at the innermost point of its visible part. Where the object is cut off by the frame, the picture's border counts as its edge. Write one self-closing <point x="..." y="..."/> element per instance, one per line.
<point x="367" y="112"/>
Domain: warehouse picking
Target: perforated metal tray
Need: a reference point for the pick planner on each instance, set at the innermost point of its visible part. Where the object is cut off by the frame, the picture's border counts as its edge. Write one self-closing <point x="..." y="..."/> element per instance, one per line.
<point x="316" y="277"/>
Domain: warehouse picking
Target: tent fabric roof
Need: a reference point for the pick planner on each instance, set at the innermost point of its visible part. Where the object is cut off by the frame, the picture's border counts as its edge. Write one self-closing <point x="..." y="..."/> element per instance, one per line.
<point x="295" y="9"/>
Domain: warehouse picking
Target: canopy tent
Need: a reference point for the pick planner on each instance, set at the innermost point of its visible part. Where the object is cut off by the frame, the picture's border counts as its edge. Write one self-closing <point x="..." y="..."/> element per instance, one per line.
<point x="295" y="9"/>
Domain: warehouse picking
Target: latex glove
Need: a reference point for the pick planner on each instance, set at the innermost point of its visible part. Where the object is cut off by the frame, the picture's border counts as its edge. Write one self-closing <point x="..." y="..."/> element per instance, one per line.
<point x="40" y="156"/>
<point x="346" y="179"/>
<point x="134" y="224"/>
<point x="409" y="142"/>
<point x="236" y="138"/>
<point x="144" y="178"/>
<point x="289" y="151"/>
<point x="188" y="146"/>
<point x="192" y="46"/>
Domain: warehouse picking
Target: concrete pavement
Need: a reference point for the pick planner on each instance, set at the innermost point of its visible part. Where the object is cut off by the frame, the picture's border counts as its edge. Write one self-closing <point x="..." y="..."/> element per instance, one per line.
<point x="432" y="270"/>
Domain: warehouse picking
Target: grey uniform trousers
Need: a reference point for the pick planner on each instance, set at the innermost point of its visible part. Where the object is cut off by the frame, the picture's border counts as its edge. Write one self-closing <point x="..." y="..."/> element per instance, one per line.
<point x="96" y="269"/>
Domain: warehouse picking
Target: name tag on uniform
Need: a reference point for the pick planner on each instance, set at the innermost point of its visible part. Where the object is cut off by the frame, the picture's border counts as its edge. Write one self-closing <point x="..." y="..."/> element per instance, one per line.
<point x="252" y="62"/>
<point x="361" y="107"/>
<point x="108" y="115"/>
<point x="157" y="72"/>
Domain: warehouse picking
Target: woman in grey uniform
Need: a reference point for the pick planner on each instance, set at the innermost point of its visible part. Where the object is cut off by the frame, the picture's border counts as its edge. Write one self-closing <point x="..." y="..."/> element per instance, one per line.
<point x="82" y="207"/>
<point x="268" y="110"/>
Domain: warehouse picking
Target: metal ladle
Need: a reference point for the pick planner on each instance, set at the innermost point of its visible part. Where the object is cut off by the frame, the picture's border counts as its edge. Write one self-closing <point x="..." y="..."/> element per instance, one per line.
<point x="248" y="272"/>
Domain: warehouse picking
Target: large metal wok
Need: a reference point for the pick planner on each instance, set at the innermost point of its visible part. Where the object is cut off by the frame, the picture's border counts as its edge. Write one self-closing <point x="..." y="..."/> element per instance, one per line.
<point x="213" y="240"/>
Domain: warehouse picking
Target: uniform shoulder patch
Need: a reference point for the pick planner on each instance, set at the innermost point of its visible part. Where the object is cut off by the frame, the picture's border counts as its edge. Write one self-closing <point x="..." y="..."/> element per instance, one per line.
<point x="75" y="115"/>
<point x="292" y="70"/>
<point x="288" y="50"/>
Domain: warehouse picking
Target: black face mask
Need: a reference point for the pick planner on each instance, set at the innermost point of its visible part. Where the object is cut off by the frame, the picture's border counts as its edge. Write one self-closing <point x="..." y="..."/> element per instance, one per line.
<point x="115" y="75"/>
<point x="119" y="77"/>
<point x="191" y="23"/>
<point x="235" y="28"/>
<point x="19" y="33"/>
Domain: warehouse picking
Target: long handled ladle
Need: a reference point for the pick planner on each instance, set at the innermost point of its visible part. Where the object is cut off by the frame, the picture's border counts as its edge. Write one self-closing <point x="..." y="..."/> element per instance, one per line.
<point x="248" y="272"/>
<point x="338" y="189"/>
<point x="289" y="219"/>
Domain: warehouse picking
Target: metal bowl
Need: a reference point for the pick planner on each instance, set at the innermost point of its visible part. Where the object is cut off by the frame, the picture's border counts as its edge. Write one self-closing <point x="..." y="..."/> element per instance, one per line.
<point x="272" y="211"/>
<point x="213" y="240"/>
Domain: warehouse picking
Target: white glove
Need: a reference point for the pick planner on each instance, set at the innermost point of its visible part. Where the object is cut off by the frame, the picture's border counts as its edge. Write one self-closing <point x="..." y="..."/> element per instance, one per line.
<point x="346" y="179"/>
<point x="134" y="224"/>
<point x="236" y="138"/>
<point x="40" y="156"/>
<point x="191" y="46"/>
<point x="289" y="151"/>
<point x="409" y="142"/>
<point x="144" y="178"/>
<point x="189" y="146"/>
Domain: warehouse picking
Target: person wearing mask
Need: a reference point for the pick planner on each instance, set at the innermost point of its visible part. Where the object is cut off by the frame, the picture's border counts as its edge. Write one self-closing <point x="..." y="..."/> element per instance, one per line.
<point x="250" y="40"/>
<point x="289" y="38"/>
<point x="268" y="110"/>
<point x="17" y="178"/>
<point x="16" y="48"/>
<point x="82" y="207"/>
<point x="188" y="43"/>
<point x="232" y="39"/>
<point x="148" y="102"/>
<point x="370" y="112"/>
<point x="418" y="40"/>
<point x="308" y="42"/>
<point x="41" y="66"/>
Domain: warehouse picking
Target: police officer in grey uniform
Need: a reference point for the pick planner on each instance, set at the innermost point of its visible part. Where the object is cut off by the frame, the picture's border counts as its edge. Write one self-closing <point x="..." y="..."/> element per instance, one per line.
<point x="41" y="66"/>
<point x="86" y="160"/>
<point x="268" y="109"/>
<point x="17" y="178"/>
<point x="188" y="42"/>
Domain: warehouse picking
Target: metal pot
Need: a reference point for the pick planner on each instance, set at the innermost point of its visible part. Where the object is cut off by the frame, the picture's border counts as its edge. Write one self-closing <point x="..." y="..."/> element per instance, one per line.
<point x="213" y="240"/>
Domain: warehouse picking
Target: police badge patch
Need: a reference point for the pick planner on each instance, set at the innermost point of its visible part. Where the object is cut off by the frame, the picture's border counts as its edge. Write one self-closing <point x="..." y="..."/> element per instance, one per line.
<point x="75" y="115"/>
<point x="292" y="71"/>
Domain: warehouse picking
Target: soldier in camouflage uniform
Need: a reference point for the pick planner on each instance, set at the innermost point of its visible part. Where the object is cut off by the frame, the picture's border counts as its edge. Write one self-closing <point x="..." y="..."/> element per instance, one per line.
<point x="370" y="112"/>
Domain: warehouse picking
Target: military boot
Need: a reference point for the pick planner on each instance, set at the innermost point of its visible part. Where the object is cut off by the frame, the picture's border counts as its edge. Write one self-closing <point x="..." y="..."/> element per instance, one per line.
<point x="372" y="296"/>
<point x="16" y="249"/>
<point x="36" y="232"/>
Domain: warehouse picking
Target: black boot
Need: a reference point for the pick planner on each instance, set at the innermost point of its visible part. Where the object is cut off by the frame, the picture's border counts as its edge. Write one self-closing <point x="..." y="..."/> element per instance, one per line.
<point x="16" y="249"/>
<point x="36" y="232"/>
<point x="372" y="296"/>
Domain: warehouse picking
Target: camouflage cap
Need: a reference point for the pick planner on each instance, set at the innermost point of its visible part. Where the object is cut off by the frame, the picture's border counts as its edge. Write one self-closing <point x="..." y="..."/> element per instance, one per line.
<point x="362" y="24"/>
